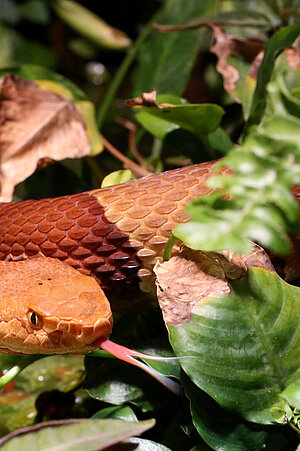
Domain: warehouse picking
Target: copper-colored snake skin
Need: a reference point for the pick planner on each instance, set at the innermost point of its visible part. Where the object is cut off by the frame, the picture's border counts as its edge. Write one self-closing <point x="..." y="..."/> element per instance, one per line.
<point x="115" y="234"/>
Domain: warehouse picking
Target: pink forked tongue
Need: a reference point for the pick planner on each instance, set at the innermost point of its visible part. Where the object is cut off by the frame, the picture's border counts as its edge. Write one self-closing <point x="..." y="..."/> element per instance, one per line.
<point x="126" y="354"/>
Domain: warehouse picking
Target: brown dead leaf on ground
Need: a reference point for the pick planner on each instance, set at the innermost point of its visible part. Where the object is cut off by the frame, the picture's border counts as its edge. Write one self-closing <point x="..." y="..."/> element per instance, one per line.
<point x="36" y="127"/>
<point x="187" y="278"/>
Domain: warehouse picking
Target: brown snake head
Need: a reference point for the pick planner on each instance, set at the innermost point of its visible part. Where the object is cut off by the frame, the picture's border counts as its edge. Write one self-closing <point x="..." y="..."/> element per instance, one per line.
<point x="48" y="307"/>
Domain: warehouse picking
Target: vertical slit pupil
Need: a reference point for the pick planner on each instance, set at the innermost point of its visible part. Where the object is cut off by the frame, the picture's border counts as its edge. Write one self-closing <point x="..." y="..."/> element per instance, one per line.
<point x="33" y="319"/>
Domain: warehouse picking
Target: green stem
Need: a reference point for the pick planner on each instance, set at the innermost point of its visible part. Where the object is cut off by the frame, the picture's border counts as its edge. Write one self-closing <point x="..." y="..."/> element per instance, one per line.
<point x="156" y="149"/>
<point x="10" y="375"/>
<point x="129" y="58"/>
<point x="169" y="246"/>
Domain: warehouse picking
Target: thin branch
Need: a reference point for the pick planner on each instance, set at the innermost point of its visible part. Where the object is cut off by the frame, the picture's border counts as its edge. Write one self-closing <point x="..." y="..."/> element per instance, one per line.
<point x="133" y="129"/>
<point x="136" y="169"/>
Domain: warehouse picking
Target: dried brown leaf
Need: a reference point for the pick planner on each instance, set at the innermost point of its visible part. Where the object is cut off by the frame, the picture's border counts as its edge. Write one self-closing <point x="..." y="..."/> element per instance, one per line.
<point x="226" y="45"/>
<point x="187" y="278"/>
<point x="146" y="99"/>
<point x="36" y="126"/>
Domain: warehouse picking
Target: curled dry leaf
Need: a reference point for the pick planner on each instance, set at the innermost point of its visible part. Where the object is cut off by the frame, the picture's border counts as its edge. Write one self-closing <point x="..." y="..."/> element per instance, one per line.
<point x="36" y="127"/>
<point x="187" y="278"/>
<point x="146" y="99"/>
<point x="226" y="45"/>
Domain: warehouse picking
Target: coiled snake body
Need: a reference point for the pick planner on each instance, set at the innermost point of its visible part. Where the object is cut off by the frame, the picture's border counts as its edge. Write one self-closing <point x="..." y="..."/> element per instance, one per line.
<point x="116" y="234"/>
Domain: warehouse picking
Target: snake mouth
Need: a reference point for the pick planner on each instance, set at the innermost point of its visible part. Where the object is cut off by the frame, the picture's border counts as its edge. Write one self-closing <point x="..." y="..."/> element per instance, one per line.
<point x="76" y="337"/>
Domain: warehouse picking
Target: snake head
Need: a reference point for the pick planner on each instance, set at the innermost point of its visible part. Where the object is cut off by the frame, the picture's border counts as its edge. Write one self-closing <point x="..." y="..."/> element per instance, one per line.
<point x="53" y="309"/>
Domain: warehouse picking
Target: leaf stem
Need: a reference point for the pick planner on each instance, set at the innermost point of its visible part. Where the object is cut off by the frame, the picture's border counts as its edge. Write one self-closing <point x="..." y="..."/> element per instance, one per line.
<point x="168" y="248"/>
<point x="128" y="60"/>
<point x="10" y="375"/>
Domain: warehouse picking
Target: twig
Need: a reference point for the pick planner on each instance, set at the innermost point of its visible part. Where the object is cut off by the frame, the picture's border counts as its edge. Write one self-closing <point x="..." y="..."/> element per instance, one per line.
<point x="131" y="142"/>
<point x="136" y="169"/>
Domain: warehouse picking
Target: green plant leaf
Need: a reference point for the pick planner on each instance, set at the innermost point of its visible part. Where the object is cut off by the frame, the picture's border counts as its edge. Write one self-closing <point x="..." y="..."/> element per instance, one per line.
<point x="281" y="40"/>
<point x="16" y="49"/>
<point x="219" y="429"/>
<point x="78" y="434"/>
<point x="55" y="372"/>
<point x="140" y="444"/>
<point x="243" y="347"/>
<point x="117" y="383"/>
<point x="197" y="118"/>
<point x="36" y="11"/>
<point x="90" y="26"/>
<point x="292" y="394"/>
<point x="166" y="59"/>
<point x="244" y="18"/>
<point x="116" y="177"/>
<point x="124" y="413"/>
<point x="265" y="166"/>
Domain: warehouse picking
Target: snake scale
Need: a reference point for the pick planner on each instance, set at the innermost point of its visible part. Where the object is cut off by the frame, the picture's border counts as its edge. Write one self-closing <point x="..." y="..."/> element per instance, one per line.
<point x="114" y="234"/>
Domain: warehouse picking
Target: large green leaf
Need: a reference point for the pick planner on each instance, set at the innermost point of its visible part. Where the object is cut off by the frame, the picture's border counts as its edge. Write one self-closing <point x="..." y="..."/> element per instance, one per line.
<point x="90" y="25"/>
<point x="219" y="429"/>
<point x="166" y="59"/>
<point x="244" y="18"/>
<point x="243" y="348"/>
<point x="281" y="40"/>
<point x="201" y="118"/>
<point x="78" y="434"/>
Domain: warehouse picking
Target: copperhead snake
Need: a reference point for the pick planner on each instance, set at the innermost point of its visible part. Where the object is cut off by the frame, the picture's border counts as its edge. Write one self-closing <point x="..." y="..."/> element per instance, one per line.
<point x="114" y="234"/>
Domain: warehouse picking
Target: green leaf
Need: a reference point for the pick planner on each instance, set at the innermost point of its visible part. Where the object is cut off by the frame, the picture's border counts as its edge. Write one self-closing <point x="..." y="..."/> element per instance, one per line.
<point x="140" y="444"/>
<point x="82" y="435"/>
<point x="197" y="118"/>
<point x="9" y="12"/>
<point x="261" y="206"/>
<point x="18" y="413"/>
<point x="244" y="18"/>
<point x="116" y="177"/>
<point x="166" y="59"/>
<point x="117" y="383"/>
<point x="219" y="429"/>
<point x="16" y="49"/>
<point x="281" y="40"/>
<point x="292" y="394"/>
<point x="90" y="26"/>
<point x="36" y="11"/>
<point x="55" y="372"/>
<point x="243" y="348"/>
<point x="124" y="413"/>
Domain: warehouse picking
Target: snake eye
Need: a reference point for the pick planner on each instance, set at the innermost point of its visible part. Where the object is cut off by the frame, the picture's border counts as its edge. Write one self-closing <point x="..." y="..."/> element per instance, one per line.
<point x="33" y="319"/>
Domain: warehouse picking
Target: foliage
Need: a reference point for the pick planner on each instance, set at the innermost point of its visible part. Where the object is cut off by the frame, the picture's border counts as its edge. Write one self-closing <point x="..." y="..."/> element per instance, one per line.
<point x="239" y="352"/>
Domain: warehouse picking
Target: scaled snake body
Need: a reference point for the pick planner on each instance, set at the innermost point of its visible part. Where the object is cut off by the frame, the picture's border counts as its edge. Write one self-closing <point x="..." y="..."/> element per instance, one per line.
<point x="115" y="234"/>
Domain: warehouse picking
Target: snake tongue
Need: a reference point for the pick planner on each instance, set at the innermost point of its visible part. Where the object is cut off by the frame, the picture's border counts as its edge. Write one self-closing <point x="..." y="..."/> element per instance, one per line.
<point x="128" y="355"/>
